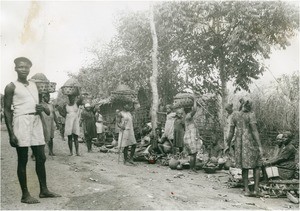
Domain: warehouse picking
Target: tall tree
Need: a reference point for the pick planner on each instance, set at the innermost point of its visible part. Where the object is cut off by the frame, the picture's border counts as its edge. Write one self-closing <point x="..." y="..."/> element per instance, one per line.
<point x="222" y="41"/>
<point x="153" y="78"/>
<point x="127" y="58"/>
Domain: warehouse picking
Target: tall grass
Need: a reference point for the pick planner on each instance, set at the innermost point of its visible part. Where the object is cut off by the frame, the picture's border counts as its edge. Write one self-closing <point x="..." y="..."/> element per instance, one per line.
<point x="276" y="106"/>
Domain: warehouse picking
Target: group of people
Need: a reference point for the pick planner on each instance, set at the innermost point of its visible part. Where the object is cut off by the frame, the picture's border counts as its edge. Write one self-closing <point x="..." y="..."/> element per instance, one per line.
<point x="180" y="132"/>
<point x="69" y="119"/>
<point x="30" y="119"/>
<point x="243" y="138"/>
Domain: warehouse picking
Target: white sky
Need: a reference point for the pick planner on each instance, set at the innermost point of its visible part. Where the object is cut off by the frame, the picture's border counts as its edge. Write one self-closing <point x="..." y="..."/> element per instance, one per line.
<point x="62" y="31"/>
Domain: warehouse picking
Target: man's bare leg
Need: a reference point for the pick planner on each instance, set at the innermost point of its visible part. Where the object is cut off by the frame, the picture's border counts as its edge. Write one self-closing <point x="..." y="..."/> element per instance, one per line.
<point x="70" y="143"/>
<point x="41" y="172"/>
<point x="22" y="163"/>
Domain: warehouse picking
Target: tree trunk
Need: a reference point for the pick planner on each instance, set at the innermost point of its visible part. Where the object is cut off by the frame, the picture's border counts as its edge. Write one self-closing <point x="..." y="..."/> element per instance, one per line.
<point x="224" y="95"/>
<point x="153" y="78"/>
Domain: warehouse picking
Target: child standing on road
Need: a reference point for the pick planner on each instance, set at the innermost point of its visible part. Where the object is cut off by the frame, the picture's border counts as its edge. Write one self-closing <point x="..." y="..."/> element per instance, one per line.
<point x="49" y="120"/>
<point x="99" y="126"/>
<point x="179" y="128"/>
<point x="89" y="125"/>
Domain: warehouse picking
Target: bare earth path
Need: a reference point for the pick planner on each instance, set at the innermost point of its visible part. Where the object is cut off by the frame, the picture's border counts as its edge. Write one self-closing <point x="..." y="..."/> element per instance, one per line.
<point x="96" y="181"/>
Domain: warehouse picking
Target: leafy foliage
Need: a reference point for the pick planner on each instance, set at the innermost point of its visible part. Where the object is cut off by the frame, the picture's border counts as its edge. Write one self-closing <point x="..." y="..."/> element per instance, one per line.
<point x="127" y="59"/>
<point x="228" y="39"/>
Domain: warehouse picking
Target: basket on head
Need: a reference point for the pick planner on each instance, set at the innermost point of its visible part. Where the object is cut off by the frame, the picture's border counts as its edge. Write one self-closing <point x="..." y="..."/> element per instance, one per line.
<point x="43" y="87"/>
<point x="70" y="90"/>
<point x="124" y="94"/>
<point x="72" y="82"/>
<point x="183" y="100"/>
<point x="52" y="86"/>
<point x="41" y="82"/>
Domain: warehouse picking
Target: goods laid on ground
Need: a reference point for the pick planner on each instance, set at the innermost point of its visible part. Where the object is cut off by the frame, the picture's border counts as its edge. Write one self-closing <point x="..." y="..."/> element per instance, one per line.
<point x="211" y="166"/>
<point x="281" y="189"/>
<point x="210" y="169"/>
<point x="183" y="100"/>
<point x="292" y="198"/>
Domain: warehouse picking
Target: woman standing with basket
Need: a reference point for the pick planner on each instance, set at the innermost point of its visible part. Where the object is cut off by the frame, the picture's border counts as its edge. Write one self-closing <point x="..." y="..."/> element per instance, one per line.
<point x="192" y="141"/>
<point x="71" y="112"/>
<point x="126" y="135"/>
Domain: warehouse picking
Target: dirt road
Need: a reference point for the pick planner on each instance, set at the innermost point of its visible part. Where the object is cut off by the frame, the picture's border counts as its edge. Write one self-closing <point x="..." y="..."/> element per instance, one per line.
<point x="96" y="181"/>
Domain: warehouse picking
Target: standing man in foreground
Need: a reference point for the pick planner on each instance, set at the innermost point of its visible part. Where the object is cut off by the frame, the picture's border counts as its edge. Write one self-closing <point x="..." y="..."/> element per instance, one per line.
<point x="25" y="128"/>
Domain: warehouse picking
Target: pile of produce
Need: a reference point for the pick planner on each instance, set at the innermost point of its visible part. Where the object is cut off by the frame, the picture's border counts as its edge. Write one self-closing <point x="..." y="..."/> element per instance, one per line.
<point x="211" y="166"/>
<point x="183" y="100"/>
<point x="178" y="161"/>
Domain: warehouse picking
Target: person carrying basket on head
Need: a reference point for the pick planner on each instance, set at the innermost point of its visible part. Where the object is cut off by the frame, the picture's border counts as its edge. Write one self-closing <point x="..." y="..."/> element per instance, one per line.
<point x="126" y="135"/>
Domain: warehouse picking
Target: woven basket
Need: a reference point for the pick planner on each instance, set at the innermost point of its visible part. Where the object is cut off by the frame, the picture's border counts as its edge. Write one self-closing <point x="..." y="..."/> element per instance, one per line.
<point x="43" y="87"/>
<point x="39" y="77"/>
<point x="124" y="94"/>
<point x="183" y="96"/>
<point x="183" y="103"/>
<point x="72" y="82"/>
<point x="41" y="82"/>
<point x="123" y="98"/>
<point x="70" y="90"/>
<point x="183" y="100"/>
<point x="210" y="170"/>
<point x="52" y="86"/>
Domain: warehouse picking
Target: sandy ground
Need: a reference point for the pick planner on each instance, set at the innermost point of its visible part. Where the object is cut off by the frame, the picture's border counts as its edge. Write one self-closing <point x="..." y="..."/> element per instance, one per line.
<point x="96" y="181"/>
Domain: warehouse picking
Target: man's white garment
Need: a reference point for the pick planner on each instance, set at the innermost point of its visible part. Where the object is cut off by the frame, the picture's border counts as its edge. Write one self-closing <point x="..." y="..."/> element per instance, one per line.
<point x="27" y="126"/>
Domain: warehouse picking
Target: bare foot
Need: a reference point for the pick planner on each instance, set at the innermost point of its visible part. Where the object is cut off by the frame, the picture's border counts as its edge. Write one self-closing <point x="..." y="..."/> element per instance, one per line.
<point x="258" y="194"/>
<point x="71" y="154"/>
<point x="29" y="200"/>
<point x="249" y="194"/>
<point x="127" y="163"/>
<point x="131" y="161"/>
<point x="194" y="170"/>
<point x="48" y="194"/>
<point x="77" y="154"/>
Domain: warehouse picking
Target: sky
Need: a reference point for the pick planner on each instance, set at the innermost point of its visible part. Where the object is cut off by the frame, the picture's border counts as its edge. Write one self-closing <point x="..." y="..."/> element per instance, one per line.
<point x="56" y="36"/>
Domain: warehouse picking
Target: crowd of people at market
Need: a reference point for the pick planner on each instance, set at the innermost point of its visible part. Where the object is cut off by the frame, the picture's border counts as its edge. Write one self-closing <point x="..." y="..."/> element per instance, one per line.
<point x="30" y="116"/>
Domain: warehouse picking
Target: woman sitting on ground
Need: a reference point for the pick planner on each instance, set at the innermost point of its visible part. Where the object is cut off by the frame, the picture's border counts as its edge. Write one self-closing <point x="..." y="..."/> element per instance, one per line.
<point x="285" y="160"/>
